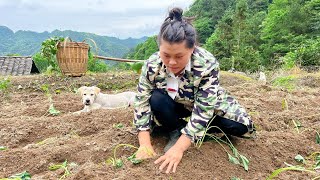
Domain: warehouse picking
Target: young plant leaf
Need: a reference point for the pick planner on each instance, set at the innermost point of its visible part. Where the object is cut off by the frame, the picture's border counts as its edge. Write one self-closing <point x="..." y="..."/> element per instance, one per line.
<point x="233" y="159"/>
<point x="276" y="172"/>
<point x="245" y="162"/>
<point x="21" y="176"/>
<point x="299" y="159"/>
<point x="53" y="110"/>
<point x="119" y="125"/>
<point x="134" y="160"/>
<point x="119" y="163"/>
<point x="2" y="148"/>
<point x="317" y="137"/>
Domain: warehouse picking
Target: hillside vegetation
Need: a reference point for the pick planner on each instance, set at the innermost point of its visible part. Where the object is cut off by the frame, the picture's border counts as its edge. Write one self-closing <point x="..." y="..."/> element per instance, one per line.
<point x="255" y="35"/>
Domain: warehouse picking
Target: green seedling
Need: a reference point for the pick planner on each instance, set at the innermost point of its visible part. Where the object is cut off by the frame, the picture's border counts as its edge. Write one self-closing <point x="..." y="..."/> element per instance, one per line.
<point x="236" y="158"/>
<point x="64" y="166"/>
<point x="291" y="168"/>
<point x="53" y="111"/>
<point x="297" y="125"/>
<point x="235" y="178"/>
<point x="5" y="86"/>
<point x="118" y="126"/>
<point x="310" y="165"/>
<point x="284" y="104"/>
<point x="21" y="176"/>
<point x="115" y="162"/>
<point x="133" y="159"/>
<point x="299" y="159"/>
<point x="3" y="148"/>
<point x="317" y="137"/>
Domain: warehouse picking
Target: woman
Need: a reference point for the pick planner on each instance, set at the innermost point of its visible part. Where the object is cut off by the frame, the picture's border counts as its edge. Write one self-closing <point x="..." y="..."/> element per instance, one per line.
<point x="182" y="80"/>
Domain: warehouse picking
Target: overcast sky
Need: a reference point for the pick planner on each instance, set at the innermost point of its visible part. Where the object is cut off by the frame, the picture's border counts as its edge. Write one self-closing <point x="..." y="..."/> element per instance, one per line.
<point x="117" y="18"/>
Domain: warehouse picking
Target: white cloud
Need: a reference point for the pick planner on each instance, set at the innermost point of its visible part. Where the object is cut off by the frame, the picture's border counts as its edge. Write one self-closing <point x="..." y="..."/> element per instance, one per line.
<point x="120" y="18"/>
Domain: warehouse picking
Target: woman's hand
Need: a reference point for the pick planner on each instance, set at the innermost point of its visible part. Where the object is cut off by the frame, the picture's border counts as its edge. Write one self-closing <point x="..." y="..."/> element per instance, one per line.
<point x="145" y="152"/>
<point x="171" y="159"/>
<point x="173" y="156"/>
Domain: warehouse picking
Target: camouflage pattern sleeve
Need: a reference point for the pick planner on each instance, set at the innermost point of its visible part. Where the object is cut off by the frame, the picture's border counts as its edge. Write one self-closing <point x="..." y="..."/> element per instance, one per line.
<point x="142" y="110"/>
<point x="206" y="88"/>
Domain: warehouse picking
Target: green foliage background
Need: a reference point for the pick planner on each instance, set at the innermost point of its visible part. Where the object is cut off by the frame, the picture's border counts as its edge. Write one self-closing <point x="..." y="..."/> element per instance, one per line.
<point x="254" y="35"/>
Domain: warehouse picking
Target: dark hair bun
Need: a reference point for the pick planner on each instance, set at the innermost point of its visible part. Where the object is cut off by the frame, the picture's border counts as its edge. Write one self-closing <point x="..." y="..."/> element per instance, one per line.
<point x="176" y="14"/>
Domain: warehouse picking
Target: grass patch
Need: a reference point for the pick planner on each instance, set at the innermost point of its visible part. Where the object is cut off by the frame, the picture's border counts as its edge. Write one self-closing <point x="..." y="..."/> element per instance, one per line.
<point x="236" y="75"/>
<point x="287" y="82"/>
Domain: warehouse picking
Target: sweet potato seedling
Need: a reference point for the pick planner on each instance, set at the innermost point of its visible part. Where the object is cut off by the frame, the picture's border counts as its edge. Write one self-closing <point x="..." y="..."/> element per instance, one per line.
<point x="52" y="110"/>
<point x="64" y="166"/>
<point x="115" y="162"/>
<point x="310" y="164"/>
<point x="236" y="158"/>
<point x="20" y="176"/>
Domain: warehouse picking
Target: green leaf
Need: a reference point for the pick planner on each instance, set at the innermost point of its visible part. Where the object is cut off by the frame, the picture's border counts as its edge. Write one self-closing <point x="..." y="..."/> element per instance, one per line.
<point x="292" y="168"/>
<point x="299" y="158"/>
<point x="2" y="148"/>
<point x="53" y="110"/>
<point x="134" y="160"/>
<point x="245" y="162"/>
<point x="317" y="137"/>
<point x="64" y="164"/>
<point x="21" y="176"/>
<point x="235" y="178"/>
<point x="55" y="167"/>
<point x="119" y="125"/>
<point x="119" y="163"/>
<point x="235" y="152"/>
<point x="233" y="159"/>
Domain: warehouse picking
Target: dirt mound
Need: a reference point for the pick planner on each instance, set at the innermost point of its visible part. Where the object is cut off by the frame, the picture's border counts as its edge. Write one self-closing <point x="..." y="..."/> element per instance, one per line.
<point x="36" y="140"/>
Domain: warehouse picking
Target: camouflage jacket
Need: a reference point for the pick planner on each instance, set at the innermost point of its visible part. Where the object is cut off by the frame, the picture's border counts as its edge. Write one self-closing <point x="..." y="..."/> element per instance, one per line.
<point x="199" y="91"/>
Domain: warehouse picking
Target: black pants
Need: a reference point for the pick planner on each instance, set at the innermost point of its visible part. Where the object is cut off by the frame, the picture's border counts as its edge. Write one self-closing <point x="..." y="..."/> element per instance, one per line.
<point x="169" y="114"/>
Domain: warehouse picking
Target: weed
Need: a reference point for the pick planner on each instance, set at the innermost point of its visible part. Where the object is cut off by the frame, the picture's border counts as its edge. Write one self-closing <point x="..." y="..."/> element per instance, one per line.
<point x="5" y="85"/>
<point x="237" y="158"/>
<point x="3" y="148"/>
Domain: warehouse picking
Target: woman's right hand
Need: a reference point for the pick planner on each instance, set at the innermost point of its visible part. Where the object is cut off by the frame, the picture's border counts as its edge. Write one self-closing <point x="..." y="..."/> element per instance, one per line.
<point x="145" y="152"/>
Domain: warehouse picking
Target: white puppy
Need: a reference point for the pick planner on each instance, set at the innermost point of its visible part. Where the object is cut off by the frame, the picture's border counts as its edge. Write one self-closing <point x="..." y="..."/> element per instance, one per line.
<point x="92" y="98"/>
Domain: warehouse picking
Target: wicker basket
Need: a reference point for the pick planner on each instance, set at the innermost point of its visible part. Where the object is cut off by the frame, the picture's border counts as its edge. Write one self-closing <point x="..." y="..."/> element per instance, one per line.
<point x="73" y="58"/>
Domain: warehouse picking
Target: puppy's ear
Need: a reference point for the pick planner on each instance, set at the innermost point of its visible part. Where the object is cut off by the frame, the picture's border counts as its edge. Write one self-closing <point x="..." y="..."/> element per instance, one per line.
<point x="81" y="89"/>
<point x="97" y="90"/>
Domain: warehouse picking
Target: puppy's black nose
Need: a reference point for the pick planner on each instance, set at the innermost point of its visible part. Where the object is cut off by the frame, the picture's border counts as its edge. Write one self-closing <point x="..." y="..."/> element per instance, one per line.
<point x="88" y="100"/>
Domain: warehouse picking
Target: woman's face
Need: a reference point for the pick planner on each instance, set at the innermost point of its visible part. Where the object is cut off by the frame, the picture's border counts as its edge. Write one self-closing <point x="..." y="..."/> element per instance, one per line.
<point x="175" y="56"/>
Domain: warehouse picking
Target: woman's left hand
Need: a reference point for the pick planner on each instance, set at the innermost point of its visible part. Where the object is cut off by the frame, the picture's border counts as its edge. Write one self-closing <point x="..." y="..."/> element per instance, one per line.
<point x="171" y="159"/>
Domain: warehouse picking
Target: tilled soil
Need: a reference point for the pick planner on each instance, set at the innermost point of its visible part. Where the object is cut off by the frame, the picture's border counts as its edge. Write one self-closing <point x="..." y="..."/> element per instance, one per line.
<point x="36" y="139"/>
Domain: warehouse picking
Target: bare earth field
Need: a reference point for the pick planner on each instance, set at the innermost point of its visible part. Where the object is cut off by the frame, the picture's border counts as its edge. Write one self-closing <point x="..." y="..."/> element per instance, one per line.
<point x="36" y="139"/>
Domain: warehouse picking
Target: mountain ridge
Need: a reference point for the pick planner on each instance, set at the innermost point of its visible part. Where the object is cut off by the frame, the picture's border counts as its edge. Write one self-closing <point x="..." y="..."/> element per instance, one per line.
<point x="27" y="43"/>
